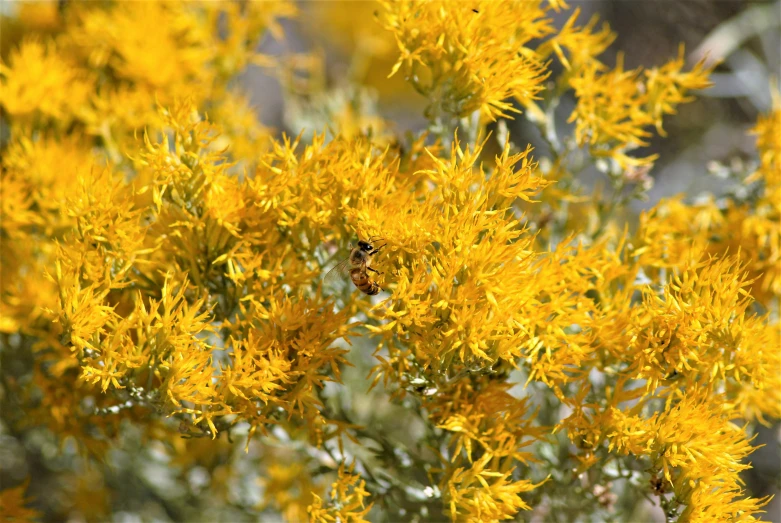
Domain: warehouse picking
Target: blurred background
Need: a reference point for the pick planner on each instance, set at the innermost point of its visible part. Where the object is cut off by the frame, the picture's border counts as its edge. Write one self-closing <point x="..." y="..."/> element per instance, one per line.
<point x="336" y="60"/>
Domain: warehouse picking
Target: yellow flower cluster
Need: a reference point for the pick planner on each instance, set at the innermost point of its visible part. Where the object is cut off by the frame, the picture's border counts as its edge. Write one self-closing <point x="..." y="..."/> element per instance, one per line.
<point x="474" y="56"/>
<point x="470" y="56"/>
<point x="704" y="450"/>
<point x="347" y="500"/>
<point x="162" y="269"/>
<point x="616" y="107"/>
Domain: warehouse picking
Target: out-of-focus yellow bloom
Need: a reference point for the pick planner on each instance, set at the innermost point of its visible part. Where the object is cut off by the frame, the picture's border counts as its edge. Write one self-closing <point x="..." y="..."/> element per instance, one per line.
<point x="39" y="16"/>
<point x="769" y="147"/>
<point x="49" y="166"/>
<point x="89" y="494"/>
<point x="235" y="29"/>
<point x="289" y="487"/>
<point x="118" y="37"/>
<point x="244" y="137"/>
<point x="762" y="227"/>
<point x="37" y="175"/>
<point x="347" y="501"/>
<point x="12" y="504"/>
<point x="40" y="82"/>
<point x="345" y="110"/>
<point x="353" y="30"/>
<point x="754" y="392"/>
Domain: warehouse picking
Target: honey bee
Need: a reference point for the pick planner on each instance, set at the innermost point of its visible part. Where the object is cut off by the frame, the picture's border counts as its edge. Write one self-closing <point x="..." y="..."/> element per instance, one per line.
<point x="358" y="266"/>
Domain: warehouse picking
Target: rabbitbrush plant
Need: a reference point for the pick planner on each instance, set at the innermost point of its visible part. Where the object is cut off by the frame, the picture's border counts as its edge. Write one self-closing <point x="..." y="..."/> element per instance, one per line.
<point x="171" y="350"/>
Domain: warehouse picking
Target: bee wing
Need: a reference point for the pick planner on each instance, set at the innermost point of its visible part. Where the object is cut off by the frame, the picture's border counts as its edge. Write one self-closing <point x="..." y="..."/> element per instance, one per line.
<point x="340" y="271"/>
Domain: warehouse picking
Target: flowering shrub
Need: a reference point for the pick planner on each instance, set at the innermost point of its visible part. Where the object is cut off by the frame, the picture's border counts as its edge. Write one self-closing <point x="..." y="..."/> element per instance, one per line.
<point x="534" y="346"/>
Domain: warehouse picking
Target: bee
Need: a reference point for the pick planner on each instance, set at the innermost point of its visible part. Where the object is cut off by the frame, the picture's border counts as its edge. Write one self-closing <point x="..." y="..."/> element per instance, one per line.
<point x="657" y="484"/>
<point x="358" y="266"/>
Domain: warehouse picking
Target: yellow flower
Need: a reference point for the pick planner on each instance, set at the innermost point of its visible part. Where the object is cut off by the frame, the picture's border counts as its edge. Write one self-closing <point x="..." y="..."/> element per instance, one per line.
<point x="762" y="228"/>
<point x="354" y="29"/>
<point x="39" y="81"/>
<point x="582" y="44"/>
<point x="81" y="312"/>
<point x="37" y="176"/>
<point x="615" y="108"/>
<point x="236" y="29"/>
<point x="484" y="492"/>
<point x="116" y="114"/>
<point x="184" y="257"/>
<point x="668" y="86"/>
<point x="697" y="452"/>
<point x="769" y="147"/>
<point x="754" y="388"/>
<point x="118" y="37"/>
<point x="347" y="500"/>
<point x="50" y="168"/>
<point x="673" y="233"/>
<point x="484" y="418"/>
<point x="12" y="504"/>
<point x="468" y="57"/>
<point x="243" y="135"/>
<point x="693" y="326"/>
<point x="40" y="16"/>
<point x="289" y="486"/>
